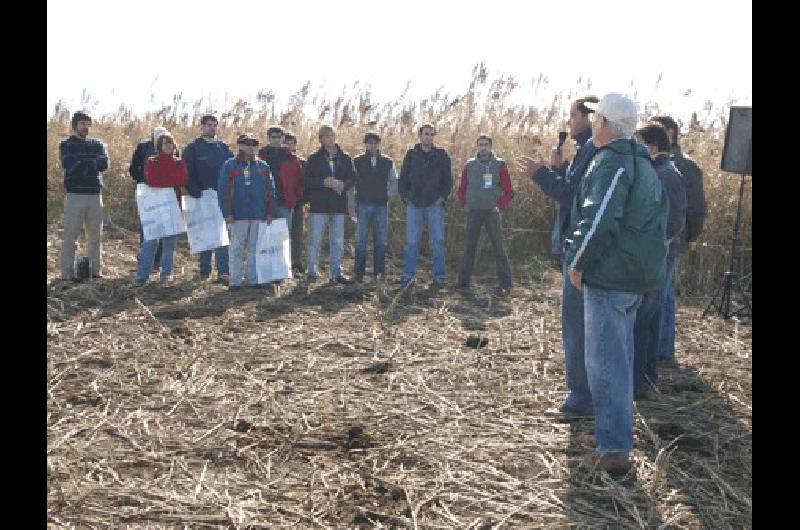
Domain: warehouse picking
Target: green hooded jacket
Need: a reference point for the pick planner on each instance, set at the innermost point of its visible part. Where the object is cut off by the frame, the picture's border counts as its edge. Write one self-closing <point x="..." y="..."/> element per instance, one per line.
<point x="619" y="221"/>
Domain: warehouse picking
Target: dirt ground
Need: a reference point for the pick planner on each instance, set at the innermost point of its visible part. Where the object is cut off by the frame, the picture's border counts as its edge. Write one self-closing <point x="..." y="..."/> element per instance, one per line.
<point x="340" y="407"/>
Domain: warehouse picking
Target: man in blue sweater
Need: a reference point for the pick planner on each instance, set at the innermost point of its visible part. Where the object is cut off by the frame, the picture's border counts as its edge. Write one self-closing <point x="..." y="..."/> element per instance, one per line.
<point x="204" y="157"/>
<point x="83" y="160"/>
<point x="561" y="182"/>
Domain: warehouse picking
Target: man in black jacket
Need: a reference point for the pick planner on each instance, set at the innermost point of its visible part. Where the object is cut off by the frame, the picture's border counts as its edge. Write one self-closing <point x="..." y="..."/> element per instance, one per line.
<point x="83" y="159"/>
<point x="696" y="211"/>
<point x="426" y="179"/>
<point x="646" y="329"/>
<point x="376" y="182"/>
<point x="145" y="149"/>
<point x="329" y="173"/>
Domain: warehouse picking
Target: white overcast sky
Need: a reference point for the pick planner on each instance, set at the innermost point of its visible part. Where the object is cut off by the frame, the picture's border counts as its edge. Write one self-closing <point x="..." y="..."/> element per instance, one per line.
<point x="124" y="52"/>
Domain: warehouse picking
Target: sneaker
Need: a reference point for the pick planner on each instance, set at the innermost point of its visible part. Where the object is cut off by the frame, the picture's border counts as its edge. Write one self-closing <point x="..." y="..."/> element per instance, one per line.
<point x="234" y="288"/>
<point x="97" y="276"/>
<point x="299" y="267"/>
<point x="205" y="277"/>
<point x="358" y="279"/>
<point x="139" y="283"/>
<point x="167" y="280"/>
<point x="222" y="278"/>
<point x="311" y="279"/>
<point x="342" y="280"/>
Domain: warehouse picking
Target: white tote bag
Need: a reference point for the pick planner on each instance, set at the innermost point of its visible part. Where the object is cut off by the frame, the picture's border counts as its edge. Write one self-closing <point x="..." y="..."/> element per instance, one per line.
<point x="158" y="212"/>
<point x="274" y="257"/>
<point x="205" y="225"/>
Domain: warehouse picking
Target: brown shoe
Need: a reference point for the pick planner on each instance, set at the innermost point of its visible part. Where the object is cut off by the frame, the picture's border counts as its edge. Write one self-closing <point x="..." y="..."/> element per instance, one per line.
<point x="587" y="439"/>
<point x="615" y="466"/>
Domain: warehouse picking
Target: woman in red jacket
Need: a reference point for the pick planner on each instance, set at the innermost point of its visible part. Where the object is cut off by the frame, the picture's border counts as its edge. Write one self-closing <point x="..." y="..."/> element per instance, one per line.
<point x="163" y="170"/>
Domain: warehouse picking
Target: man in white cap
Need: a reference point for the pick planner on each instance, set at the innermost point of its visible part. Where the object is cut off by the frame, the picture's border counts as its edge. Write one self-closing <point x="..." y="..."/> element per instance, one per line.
<point x="144" y="150"/>
<point x="615" y="253"/>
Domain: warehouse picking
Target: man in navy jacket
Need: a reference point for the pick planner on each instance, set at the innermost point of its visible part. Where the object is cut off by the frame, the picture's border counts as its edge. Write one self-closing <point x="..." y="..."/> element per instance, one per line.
<point x="561" y="182"/>
<point x="204" y="157"/>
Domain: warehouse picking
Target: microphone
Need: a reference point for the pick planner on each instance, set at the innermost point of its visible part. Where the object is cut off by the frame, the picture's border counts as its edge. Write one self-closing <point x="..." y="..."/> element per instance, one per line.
<point x="562" y="137"/>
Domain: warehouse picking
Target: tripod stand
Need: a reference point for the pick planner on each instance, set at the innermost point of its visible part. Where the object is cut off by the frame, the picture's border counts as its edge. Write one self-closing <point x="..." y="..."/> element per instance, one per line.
<point x="731" y="278"/>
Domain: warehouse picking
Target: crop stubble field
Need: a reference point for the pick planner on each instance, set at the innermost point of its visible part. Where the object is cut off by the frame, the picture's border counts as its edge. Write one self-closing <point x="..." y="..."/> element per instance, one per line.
<point x="343" y="407"/>
<point x="335" y="408"/>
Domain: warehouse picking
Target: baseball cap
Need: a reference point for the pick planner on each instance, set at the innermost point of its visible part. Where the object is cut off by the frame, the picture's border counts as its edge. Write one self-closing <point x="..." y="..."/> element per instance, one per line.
<point x="247" y="139"/>
<point x="617" y="108"/>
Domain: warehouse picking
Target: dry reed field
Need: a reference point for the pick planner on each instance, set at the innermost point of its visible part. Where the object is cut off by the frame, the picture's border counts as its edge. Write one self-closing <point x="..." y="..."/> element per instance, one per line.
<point x="353" y="407"/>
<point x="483" y="108"/>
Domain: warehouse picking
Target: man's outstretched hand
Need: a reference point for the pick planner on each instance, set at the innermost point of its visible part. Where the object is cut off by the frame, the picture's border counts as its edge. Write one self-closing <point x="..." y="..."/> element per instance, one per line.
<point x="528" y="165"/>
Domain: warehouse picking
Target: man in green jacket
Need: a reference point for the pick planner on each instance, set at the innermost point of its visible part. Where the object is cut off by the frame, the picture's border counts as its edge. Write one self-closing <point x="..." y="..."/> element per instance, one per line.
<point x="615" y="254"/>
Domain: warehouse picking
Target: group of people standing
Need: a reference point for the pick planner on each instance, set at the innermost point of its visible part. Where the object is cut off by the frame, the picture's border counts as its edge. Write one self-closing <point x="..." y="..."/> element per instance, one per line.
<point x="627" y="205"/>
<point x="625" y="213"/>
<point x="256" y="185"/>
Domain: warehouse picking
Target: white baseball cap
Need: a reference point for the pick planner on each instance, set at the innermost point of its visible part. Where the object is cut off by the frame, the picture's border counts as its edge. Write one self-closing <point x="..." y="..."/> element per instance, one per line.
<point x="617" y="108"/>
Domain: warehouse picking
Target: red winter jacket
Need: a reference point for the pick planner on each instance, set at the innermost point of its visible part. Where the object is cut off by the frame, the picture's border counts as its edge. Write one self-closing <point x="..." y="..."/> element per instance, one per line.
<point x="290" y="172"/>
<point x="166" y="171"/>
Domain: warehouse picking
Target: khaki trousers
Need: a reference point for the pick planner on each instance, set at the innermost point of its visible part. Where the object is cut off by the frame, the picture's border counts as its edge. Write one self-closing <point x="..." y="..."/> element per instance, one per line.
<point x="82" y="211"/>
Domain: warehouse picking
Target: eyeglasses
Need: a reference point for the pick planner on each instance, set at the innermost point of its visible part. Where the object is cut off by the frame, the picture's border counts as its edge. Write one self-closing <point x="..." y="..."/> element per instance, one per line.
<point x="249" y="143"/>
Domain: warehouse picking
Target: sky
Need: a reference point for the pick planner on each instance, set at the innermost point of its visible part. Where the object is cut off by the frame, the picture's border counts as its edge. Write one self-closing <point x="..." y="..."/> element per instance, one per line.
<point x="140" y="54"/>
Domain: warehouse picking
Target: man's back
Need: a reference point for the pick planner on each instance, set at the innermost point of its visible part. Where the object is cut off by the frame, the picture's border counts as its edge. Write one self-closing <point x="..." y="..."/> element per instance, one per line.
<point x="696" y="206"/>
<point x="621" y="214"/>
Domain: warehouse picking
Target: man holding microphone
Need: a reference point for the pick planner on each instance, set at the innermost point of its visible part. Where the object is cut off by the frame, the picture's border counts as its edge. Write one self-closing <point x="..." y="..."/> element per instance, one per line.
<point x="561" y="182"/>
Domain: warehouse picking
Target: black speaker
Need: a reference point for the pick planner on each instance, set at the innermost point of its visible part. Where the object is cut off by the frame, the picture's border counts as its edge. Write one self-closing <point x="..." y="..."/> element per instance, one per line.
<point x="737" y="155"/>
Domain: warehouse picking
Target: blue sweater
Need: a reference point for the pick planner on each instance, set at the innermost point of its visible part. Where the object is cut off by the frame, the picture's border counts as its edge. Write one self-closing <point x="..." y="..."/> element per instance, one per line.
<point x="203" y="161"/>
<point x="83" y="159"/>
<point x="246" y="195"/>
<point x="562" y="185"/>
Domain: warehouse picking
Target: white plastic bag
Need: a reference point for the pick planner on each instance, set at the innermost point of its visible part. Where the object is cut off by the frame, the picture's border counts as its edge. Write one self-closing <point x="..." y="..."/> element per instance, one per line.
<point x="205" y="225"/>
<point x="158" y="212"/>
<point x="274" y="257"/>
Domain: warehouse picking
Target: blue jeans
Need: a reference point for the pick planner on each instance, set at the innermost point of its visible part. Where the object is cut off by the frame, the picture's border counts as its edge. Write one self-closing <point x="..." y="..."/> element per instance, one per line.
<point x="666" y="333"/>
<point x="147" y="254"/>
<point x="416" y="217"/>
<point x="609" y="317"/>
<point x="317" y="223"/>
<point x="220" y="257"/>
<point x="281" y="211"/>
<point x="375" y="216"/>
<point x="579" y="398"/>
<point x="645" y="339"/>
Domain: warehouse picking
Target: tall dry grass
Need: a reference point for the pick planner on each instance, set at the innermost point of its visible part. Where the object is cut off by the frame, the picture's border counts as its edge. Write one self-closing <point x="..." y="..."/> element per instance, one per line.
<point x="483" y="108"/>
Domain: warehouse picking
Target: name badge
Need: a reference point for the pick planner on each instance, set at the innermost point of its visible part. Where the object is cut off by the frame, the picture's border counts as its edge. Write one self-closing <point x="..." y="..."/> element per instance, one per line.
<point x="488" y="178"/>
